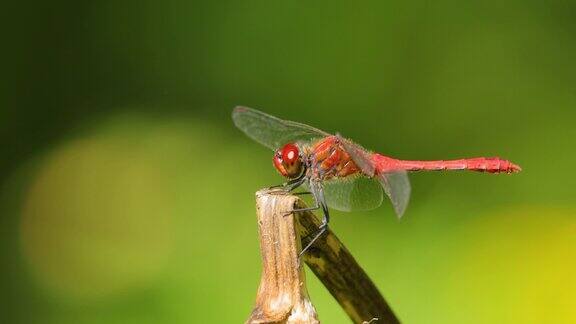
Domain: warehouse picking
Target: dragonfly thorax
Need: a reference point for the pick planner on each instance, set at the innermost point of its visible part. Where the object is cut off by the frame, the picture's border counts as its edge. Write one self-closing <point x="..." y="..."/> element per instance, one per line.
<point x="288" y="161"/>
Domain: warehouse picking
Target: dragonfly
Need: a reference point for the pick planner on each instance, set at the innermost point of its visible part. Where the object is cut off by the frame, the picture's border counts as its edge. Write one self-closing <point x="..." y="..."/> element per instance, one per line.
<point x="339" y="173"/>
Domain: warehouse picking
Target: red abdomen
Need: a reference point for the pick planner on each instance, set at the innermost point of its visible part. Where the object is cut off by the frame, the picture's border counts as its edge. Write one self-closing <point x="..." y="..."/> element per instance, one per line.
<point x="480" y="164"/>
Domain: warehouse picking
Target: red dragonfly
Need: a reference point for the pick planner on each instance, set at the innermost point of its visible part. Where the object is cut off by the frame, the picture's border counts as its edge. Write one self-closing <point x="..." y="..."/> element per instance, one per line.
<point x="339" y="173"/>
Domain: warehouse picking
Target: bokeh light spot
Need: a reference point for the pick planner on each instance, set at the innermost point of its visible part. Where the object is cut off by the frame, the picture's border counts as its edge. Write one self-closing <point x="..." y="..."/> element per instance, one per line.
<point x="97" y="218"/>
<point x="516" y="266"/>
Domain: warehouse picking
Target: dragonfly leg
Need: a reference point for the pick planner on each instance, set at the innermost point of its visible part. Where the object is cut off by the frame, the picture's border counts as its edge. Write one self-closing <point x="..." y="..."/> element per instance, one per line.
<point x="302" y="193"/>
<point x="304" y="209"/>
<point x="293" y="184"/>
<point x="290" y="185"/>
<point x="324" y="226"/>
<point x="301" y="210"/>
<point x="321" y="230"/>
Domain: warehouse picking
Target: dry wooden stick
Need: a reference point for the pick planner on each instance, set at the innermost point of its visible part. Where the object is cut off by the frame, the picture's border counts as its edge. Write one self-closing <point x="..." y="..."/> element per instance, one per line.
<point x="282" y="296"/>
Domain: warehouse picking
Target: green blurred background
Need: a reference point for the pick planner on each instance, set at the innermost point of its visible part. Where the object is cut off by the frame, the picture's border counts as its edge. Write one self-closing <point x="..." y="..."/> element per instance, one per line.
<point x="127" y="195"/>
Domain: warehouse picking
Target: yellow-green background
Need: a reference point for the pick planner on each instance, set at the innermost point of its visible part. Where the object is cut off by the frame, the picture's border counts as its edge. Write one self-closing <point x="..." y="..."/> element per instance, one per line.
<point x="127" y="195"/>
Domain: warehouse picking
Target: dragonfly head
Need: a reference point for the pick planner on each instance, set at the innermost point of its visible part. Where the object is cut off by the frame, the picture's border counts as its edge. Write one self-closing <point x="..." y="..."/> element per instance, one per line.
<point x="288" y="161"/>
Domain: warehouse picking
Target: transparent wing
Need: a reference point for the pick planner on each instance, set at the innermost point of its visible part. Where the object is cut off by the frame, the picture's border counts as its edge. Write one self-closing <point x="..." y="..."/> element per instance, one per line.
<point x="397" y="187"/>
<point x="396" y="184"/>
<point x="271" y="131"/>
<point x="359" y="155"/>
<point x="358" y="193"/>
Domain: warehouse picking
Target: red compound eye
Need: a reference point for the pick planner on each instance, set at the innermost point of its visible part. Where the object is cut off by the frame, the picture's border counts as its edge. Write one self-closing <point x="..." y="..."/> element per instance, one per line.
<point x="277" y="160"/>
<point x="290" y="153"/>
<point x="288" y="162"/>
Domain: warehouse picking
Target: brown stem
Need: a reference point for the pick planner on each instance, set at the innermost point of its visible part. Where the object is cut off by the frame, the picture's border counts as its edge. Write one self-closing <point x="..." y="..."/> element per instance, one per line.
<point x="282" y="296"/>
